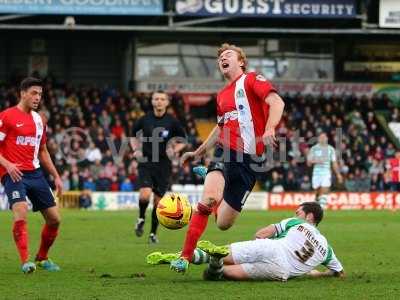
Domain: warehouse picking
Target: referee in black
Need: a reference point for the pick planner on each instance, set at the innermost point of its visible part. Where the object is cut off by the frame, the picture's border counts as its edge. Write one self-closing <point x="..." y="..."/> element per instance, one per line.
<point x="158" y="136"/>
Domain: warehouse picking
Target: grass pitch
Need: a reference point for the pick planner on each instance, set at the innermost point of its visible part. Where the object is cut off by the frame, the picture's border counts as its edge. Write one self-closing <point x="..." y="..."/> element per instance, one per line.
<point x="101" y="258"/>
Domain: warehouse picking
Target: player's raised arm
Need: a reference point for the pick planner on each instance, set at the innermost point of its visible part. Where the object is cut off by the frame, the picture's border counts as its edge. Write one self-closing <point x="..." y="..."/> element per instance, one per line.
<point x="204" y="147"/>
<point x="276" y="106"/>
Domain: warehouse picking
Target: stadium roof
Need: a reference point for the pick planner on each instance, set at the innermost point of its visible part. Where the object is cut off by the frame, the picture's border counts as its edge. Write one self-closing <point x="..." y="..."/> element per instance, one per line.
<point x="365" y="22"/>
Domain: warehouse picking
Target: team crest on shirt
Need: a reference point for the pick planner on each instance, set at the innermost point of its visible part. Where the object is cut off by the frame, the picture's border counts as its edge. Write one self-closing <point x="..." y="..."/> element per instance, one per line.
<point x="15" y="195"/>
<point x="1" y="123"/>
<point x="260" y="78"/>
<point x="240" y="93"/>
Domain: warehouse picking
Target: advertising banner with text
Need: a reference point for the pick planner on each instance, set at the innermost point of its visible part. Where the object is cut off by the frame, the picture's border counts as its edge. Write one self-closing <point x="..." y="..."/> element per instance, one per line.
<point x="255" y="201"/>
<point x="268" y="8"/>
<point x="82" y="7"/>
<point x="336" y="201"/>
<point x="389" y="13"/>
<point x="130" y="200"/>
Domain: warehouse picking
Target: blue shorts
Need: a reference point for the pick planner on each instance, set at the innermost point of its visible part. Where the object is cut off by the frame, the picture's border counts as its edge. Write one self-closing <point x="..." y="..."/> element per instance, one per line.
<point x="32" y="185"/>
<point x="240" y="172"/>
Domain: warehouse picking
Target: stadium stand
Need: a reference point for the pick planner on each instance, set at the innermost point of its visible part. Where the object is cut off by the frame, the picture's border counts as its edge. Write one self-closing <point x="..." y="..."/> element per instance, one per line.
<point x="86" y="161"/>
<point x="352" y="129"/>
<point x="103" y="113"/>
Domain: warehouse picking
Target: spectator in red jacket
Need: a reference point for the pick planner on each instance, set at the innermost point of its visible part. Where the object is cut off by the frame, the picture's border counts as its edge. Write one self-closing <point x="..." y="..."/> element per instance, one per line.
<point x="118" y="130"/>
<point x="393" y="165"/>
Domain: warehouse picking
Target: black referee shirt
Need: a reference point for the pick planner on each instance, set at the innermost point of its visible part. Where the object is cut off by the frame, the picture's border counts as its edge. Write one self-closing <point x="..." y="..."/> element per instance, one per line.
<point x="157" y="130"/>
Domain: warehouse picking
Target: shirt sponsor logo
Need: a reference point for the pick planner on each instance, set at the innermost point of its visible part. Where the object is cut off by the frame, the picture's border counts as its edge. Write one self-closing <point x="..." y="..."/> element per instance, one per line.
<point x="19" y="125"/>
<point x="259" y="8"/>
<point x="28" y="141"/>
<point x="230" y="115"/>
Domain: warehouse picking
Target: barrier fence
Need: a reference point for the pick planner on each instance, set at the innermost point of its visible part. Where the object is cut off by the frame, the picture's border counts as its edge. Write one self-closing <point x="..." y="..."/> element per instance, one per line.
<point x="255" y="201"/>
<point x="266" y="201"/>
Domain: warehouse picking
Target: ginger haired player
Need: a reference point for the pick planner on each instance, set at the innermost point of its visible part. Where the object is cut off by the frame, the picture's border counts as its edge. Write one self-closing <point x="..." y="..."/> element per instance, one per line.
<point x="248" y="110"/>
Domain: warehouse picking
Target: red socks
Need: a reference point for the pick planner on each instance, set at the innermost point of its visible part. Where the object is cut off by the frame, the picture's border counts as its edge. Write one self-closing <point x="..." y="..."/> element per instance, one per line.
<point x="20" y="233"/>
<point x="197" y="225"/>
<point x="21" y="239"/>
<point x="49" y="234"/>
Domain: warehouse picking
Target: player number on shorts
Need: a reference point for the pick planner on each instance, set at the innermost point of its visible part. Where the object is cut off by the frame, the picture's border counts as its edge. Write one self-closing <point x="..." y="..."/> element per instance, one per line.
<point x="305" y="252"/>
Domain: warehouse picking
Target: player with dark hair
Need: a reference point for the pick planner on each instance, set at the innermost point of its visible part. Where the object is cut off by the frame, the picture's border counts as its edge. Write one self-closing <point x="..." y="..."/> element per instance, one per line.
<point x="158" y="131"/>
<point x="22" y="153"/>
<point x="288" y="249"/>
<point x="248" y="110"/>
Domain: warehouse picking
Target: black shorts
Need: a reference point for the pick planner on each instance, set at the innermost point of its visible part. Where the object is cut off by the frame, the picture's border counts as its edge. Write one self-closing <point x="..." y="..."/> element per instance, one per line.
<point x="156" y="176"/>
<point x="240" y="172"/>
<point x="32" y="185"/>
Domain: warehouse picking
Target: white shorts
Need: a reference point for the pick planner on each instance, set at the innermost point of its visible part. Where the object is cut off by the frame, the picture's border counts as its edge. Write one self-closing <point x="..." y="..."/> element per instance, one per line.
<point x="321" y="181"/>
<point x="261" y="259"/>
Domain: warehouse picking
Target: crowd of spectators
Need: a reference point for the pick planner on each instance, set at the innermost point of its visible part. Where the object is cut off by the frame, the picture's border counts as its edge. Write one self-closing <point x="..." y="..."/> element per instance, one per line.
<point x="353" y="130"/>
<point x="95" y="155"/>
<point x="88" y="134"/>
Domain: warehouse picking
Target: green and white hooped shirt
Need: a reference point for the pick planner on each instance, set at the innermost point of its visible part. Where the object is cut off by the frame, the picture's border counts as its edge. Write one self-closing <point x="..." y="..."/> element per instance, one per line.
<point x="325" y="153"/>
